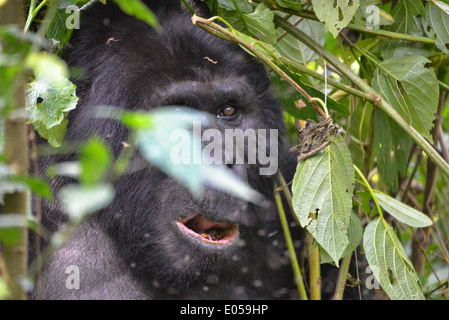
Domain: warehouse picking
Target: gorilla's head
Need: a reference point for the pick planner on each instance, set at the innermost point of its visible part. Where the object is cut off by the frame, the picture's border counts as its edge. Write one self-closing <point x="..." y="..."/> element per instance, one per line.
<point x="165" y="234"/>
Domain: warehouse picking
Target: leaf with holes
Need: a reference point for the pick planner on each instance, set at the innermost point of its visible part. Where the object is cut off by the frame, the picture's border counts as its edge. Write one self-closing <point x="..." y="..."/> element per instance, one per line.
<point x="335" y="14"/>
<point x="325" y="182"/>
<point x="436" y="23"/>
<point x="405" y="15"/>
<point x="389" y="263"/>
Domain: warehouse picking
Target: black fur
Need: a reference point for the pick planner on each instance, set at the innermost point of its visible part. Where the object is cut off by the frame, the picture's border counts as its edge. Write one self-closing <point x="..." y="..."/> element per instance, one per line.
<point x="132" y="249"/>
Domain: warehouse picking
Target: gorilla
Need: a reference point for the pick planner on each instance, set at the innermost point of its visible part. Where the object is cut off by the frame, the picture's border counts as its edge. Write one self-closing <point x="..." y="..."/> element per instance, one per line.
<point x="147" y="244"/>
<point x="155" y="240"/>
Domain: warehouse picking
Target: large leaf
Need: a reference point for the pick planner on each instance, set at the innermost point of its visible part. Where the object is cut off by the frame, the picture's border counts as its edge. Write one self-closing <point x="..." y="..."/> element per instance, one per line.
<point x="411" y="89"/>
<point x="405" y="14"/>
<point x="293" y="49"/>
<point x="50" y="97"/>
<point x="260" y="24"/>
<point x="389" y="263"/>
<point x="335" y="14"/>
<point x="243" y="5"/>
<point x="402" y="212"/>
<point x="355" y="233"/>
<point x="392" y="148"/>
<point x="169" y="142"/>
<point x="436" y="23"/>
<point x="325" y="182"/>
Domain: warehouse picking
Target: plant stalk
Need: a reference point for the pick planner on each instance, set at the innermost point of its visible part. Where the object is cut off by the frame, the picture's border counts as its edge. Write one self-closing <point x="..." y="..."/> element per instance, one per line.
<point x="291" y="249"/>
<point x="379" y="102"/>
<point x="16" y="153"/>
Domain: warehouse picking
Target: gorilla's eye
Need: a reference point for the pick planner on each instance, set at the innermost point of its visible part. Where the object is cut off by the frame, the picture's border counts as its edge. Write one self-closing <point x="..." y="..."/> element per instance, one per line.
<point x="228" y="111"/>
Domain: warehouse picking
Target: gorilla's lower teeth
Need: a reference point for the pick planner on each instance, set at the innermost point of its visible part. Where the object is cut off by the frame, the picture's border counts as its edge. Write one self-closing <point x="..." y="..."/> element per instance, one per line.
<point x="209" y="230"/>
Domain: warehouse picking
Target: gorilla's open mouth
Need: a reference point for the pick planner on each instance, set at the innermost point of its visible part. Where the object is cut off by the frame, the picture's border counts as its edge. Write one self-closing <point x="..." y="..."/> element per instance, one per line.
<point x="199" y="227"/>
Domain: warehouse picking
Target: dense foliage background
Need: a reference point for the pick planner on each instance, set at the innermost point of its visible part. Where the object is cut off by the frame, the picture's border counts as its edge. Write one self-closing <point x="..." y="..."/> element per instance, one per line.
<point x="364" y="83"/>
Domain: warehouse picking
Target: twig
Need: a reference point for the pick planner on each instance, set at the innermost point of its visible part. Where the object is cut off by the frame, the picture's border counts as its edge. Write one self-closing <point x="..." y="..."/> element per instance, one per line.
<point x="314" y="151"/>
<point x="381" y="103"/>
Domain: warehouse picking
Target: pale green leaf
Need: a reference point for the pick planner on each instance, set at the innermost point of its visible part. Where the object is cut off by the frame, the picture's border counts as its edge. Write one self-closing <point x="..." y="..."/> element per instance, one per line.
<point x="325" y="181"/>
<point x="355" y="233"/>
<point x="78" y="201"/>
<point x="436" y="23"/>
<point x="335" y="14"/>
<point x="389" y="263"/>
<point x="411" y="88"/>
<point x="371" y="16"/>
<point x="175" y="149"/>
<point x="406" y="20"/>
<point x="50" y="97"/>
<point x="260" y="24"/>
<point x="54" y="135"/>
<point x="402" y="212"/>
<point x="392" y="148"/>
<point x="243" y="5"/>
<point x="293" y="49"/>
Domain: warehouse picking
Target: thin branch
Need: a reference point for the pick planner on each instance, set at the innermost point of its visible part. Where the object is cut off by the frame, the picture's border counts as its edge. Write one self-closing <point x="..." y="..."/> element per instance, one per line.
<point x="381" y="103"/>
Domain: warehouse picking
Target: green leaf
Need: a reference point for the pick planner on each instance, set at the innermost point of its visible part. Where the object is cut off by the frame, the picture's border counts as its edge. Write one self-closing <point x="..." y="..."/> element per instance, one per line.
<point x="290" y="4"/>
<point x="137" y="120"/>
<point x="436" y="24"/>
<point x="355" y="233"/>
<point x="335" y="14"/>
<point x="402" y="212"/>
<point x="405" y="14"/>
<point x="36" y="185"/>
<point x="371" y="16"/>
<point x="392" y="148"/>
<point x="243" y="5"/>
<point x="50" y="97"/>
<point x="411" y="89"/>
<point x="54" y="135"/>
<point x="293" y="49"/>
<point x="172" y="146"/>
<point x="95" y="159"/>
<point x="325" y="181"/>
<point x="389" y="263"/>
<point x="139" y="10"/>
<point x="260" y="24"/>
<point x="78" y="201"/>
<point x="4" y="291"/>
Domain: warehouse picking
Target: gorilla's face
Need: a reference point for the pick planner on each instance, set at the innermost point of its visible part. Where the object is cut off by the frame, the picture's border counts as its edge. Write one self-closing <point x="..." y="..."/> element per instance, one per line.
<point x="163" y="232"/>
